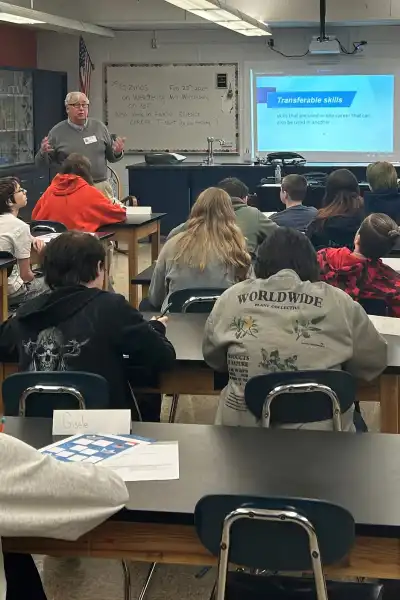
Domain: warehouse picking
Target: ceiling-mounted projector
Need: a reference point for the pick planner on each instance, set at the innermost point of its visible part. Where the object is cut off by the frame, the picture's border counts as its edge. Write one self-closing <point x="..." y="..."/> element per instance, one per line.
<point x="327" y="45"/>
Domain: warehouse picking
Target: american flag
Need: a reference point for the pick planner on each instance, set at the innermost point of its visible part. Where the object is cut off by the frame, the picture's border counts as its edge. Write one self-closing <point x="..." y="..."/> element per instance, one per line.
<point x="85" y="68"/>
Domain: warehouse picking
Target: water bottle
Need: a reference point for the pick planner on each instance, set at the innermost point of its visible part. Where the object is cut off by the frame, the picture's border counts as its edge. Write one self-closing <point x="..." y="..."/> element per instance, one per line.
<point x="278" y="174"/>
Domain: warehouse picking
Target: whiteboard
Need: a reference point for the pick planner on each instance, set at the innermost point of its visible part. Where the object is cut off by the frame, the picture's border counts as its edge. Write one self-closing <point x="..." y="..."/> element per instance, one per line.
<point x="174" y="107"/>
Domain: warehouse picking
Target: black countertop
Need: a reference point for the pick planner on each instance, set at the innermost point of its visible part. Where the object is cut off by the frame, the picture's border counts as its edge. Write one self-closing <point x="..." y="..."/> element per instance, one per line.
<point x="133" y="220"/>
<point x="360" y="472"/>
<point x="199" y="165"/>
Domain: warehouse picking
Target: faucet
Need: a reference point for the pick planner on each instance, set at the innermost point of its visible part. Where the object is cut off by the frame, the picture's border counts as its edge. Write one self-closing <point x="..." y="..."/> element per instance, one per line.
<point x="210" y="149"/>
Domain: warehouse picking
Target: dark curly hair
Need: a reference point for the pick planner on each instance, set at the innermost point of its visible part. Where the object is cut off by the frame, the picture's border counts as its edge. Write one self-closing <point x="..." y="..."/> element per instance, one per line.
<point x="287" y="248"/>
<point x="8" y="185"/>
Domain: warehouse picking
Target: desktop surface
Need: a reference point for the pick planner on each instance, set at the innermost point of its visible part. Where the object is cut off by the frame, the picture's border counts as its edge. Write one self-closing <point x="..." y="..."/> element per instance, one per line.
<point x="360" y="472"/>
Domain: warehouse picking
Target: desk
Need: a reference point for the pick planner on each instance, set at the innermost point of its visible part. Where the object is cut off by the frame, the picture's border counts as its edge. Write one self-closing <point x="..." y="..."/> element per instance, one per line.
<point x="143" y="279"/>
<point x="393" y="263"/>
<point x="5" y="263"/>
<point x="157" y="524"/>
<point x="130" y="231"/>
<point x="174" y="188"/>
<point x="103" y="236"/>
<point x="191" y="375"/>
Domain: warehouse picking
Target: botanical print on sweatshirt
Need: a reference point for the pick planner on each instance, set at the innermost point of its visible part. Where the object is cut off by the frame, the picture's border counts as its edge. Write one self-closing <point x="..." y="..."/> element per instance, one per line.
<point x="284" y="324"/>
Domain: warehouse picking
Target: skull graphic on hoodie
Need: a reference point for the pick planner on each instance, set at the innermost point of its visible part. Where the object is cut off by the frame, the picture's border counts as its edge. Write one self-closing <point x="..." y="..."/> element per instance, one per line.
<point x="50" y="352"/>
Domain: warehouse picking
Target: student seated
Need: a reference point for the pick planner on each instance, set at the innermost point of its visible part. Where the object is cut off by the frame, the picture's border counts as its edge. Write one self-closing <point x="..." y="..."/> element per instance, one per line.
<point x="336" y="224"/>
<point x="287" y="320"/>
<point x="73" y="200"/>
<point x="384" y="196"/>
<point x="16" y="238"/>
<point x="361" y="273"/>
<point x="293" y="192"/>
<point x="254" y="225"/>
<point x="79" y="327"/>
<point x="43" y="497"/>
<point x="210" y="252"/>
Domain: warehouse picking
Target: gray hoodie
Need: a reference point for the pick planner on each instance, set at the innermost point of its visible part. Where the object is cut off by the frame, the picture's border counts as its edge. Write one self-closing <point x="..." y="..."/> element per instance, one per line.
<point x="43" y="497"/>
<point x="169" y="276"/>
<point x="255" y="226"/>
<point x="285" y="324"/>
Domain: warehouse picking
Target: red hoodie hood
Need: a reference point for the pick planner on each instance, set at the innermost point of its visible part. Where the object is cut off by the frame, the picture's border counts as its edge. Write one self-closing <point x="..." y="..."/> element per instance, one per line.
<point x="358" y="277"/>
<point x="63" y="185"/>
<point x="342" y="260"/>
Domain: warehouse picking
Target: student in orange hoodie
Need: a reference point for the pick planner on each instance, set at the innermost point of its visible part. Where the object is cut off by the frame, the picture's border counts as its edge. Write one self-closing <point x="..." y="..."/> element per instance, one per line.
<point x="71" y="199"/>
<point x="361" y="273"/>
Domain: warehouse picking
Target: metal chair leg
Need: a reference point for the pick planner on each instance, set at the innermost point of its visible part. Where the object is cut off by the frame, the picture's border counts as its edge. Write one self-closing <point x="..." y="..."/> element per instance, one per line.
<point x="127" y="580"/>
<point x="174" y="406"/>
<point x="212" y="595"/>
<point x="147" y="581"/>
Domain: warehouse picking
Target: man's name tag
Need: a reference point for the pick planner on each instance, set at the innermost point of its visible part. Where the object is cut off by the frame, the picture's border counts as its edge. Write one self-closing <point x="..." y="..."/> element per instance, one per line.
<point x="70" y="422"/>
<point x="90" y="140"/>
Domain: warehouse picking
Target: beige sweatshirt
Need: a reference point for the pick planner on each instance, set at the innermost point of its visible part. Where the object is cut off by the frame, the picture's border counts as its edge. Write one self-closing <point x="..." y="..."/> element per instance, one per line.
<point x="285" y="324"/>
<point x="43" y="497"/>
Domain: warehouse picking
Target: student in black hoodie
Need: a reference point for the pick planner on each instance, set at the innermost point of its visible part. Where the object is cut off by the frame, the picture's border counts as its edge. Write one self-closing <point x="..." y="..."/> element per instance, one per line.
<point x="384" y="196"/>
<point x="337" y="223"/>
<point x="79" y="327"/>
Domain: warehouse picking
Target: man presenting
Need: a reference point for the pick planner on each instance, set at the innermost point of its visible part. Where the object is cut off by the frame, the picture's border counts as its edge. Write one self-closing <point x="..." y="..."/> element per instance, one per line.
<point x="85" y="136"/>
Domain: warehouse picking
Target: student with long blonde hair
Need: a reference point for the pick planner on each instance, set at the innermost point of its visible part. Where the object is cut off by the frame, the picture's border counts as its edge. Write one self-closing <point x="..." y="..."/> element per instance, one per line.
<point x="211" y="252"/>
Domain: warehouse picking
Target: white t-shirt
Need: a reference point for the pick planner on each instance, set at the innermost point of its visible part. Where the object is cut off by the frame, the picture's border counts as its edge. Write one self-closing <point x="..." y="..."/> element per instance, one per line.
<point x="15" y="237"/>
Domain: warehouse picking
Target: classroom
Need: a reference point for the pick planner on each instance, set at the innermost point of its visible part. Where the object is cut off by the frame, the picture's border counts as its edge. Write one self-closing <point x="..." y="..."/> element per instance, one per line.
<point x="199" y="299"/>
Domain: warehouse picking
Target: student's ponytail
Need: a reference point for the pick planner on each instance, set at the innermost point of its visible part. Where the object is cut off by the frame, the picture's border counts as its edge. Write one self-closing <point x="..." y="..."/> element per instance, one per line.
<point x="377" y="236"/>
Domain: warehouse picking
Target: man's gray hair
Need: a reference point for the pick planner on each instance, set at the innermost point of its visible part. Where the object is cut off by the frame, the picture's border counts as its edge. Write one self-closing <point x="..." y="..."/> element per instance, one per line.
<point x="74" y="97"/>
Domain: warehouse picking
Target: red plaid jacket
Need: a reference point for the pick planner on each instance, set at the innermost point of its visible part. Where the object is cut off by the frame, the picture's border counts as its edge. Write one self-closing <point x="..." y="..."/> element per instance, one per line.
<point x="360" y="278"/>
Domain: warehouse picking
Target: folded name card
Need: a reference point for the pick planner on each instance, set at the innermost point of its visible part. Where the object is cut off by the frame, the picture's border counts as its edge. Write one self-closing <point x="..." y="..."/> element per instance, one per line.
<point x="70" y="422"/>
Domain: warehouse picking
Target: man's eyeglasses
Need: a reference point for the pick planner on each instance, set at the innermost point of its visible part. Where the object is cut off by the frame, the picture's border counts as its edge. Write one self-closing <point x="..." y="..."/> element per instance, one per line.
<point x="21" y="190"/>
<point x="77" y="105"/>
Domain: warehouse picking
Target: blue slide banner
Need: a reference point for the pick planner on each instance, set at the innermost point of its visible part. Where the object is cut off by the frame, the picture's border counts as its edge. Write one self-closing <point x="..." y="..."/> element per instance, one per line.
<point x="333" y="99"/>
<point x="324" y="113"/>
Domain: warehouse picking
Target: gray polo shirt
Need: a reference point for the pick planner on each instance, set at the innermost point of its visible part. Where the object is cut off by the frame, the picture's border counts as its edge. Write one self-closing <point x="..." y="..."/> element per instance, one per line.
<point x="93" y="140"/>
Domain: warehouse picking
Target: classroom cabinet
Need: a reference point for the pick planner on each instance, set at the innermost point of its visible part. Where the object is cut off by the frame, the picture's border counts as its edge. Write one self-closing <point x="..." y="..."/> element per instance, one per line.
<point x="31" y="103"/>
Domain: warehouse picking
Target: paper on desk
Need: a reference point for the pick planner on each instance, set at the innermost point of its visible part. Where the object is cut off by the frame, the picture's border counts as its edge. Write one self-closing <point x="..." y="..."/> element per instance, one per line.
<point x="47" y="237"/>
<point x="154" y="462"/>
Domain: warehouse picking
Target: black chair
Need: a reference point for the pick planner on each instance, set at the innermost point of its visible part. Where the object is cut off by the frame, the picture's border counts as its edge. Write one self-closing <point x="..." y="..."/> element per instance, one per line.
<point x="38" y="393"/>
<point x="375" y="306"/>
<point x="41" y="227"/>
<point x="304" y="396"/>
<point x="194" y="300"/>
<point x="278" y="534"/>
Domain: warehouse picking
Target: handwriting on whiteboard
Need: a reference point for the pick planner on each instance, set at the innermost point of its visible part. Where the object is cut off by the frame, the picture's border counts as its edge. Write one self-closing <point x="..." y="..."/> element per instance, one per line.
<point x="171" y="106"/>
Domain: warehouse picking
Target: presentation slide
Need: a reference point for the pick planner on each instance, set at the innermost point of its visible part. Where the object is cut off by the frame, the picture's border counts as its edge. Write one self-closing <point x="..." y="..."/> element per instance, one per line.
<point x="324" y="113"/>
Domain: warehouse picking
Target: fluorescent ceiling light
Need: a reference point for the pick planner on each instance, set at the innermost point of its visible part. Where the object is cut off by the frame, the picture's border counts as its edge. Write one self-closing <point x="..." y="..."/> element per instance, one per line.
<point x="43" y="20"/>
<point x="217" y="16"/>
<point x="239" y="25"/>
<point x="18" y="20"/>
<point x="193" y="4"/>
<point x="225" y="16"/>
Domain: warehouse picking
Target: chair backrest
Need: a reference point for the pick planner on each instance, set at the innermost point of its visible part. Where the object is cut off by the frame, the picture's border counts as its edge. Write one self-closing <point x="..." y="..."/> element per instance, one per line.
<point x="275" y="398"/>
<point x="38" y="393"/>
<point x="4" y="254"/>
<point x="115" y="182"/>
<point x="375" y="306"/>
<point x="276" y="534"/>
<point x="47" y="227"/>
<point x="194" y="300"/>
